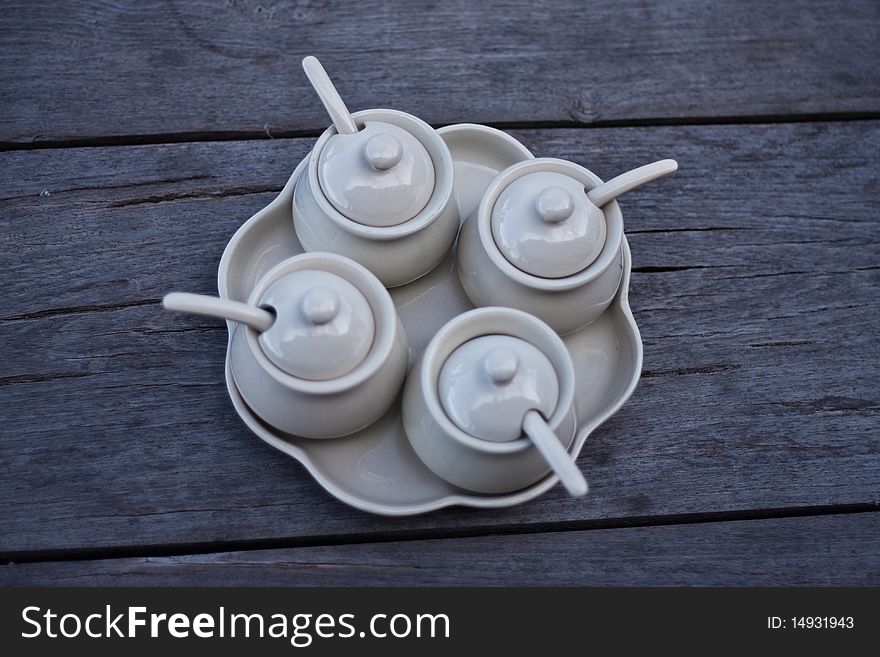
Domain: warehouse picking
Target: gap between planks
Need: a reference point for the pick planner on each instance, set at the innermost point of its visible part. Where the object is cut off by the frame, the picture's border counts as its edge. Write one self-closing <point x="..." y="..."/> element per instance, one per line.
<point x="268" y="133"/>
<point x="208" y="547"/>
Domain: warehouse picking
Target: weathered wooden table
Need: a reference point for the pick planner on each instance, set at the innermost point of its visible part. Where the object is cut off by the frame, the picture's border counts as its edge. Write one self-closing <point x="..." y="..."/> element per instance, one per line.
<point x="137" y="137"/>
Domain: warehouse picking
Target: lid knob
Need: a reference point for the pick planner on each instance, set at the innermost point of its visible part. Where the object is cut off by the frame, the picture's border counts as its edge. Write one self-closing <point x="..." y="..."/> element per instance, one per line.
<point x="320" y="305"/>
<point x="383" y="151"/>
<point x="554" y="205"/>
<point x="501" y="365"/>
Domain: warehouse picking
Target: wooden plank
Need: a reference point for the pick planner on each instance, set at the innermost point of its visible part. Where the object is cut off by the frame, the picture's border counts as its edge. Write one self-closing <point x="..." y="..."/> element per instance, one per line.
<point x="82" y="70"/>
<point x="159" y="216"/>
<point x="755" y="288"/>
<point x="836" y="550"/>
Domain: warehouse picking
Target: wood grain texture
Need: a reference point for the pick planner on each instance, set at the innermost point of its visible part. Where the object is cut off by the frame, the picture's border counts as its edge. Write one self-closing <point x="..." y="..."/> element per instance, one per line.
<point x="168" y="69"/>
<point x="815" y="551"/>
<point x="755" y="287"/>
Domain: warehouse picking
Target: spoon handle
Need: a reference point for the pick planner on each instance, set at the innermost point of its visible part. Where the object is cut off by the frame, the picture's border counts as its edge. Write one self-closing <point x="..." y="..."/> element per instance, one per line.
<point x="535" y="427"/>
<point x="608" y="191"/>
<point x="322" y="84"/>
<point x="201" y="304"/>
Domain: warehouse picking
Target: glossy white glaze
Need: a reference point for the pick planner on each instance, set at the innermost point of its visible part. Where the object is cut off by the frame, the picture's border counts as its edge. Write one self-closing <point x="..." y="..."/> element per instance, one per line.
<point x="380" y="176"/>
<point x="480" y="153"/>
<point x="321" y="408"/>
<point x="490" y="279"/>
<point x="323" y="325"/>
<point x="545" y="225"/>
<point x="488" y="384"/>
<point x="396" y="254"/>
<point x="468" y="461"/>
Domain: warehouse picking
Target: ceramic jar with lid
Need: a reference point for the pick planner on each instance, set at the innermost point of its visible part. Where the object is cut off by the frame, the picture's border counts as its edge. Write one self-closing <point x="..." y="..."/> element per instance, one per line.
<point x="537" y="243"/>
<point x="382" y="196"/>
<point x="466" y="398"/>
<point x="335" y="357"/>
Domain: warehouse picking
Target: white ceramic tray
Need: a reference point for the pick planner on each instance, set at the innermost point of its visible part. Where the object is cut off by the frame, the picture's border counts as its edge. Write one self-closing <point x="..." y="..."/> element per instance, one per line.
<point x="376" y="469"/>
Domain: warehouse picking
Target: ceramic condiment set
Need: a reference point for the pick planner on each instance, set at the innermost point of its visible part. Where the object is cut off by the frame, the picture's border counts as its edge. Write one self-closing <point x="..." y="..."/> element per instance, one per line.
<point x="318" y="350"/>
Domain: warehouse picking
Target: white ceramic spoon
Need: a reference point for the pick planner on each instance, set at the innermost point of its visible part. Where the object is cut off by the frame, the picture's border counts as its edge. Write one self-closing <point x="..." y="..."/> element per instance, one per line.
<point x="202" y="304"/>
<point x="333" y="103"/>
<point x="608" y="191"/>
<point x="557" y="457"/>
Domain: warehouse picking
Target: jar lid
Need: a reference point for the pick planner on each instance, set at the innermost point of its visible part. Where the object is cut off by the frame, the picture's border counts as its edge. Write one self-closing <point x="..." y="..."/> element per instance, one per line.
<point x="545" y="225"/>
<point x="488" y="384"/>
<point x="379" y="176"/>
<point x="323" y="328"/>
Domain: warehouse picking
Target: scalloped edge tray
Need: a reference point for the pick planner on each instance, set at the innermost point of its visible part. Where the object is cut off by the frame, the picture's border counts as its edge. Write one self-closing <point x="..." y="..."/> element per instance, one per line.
<point x="375" y="469"/>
